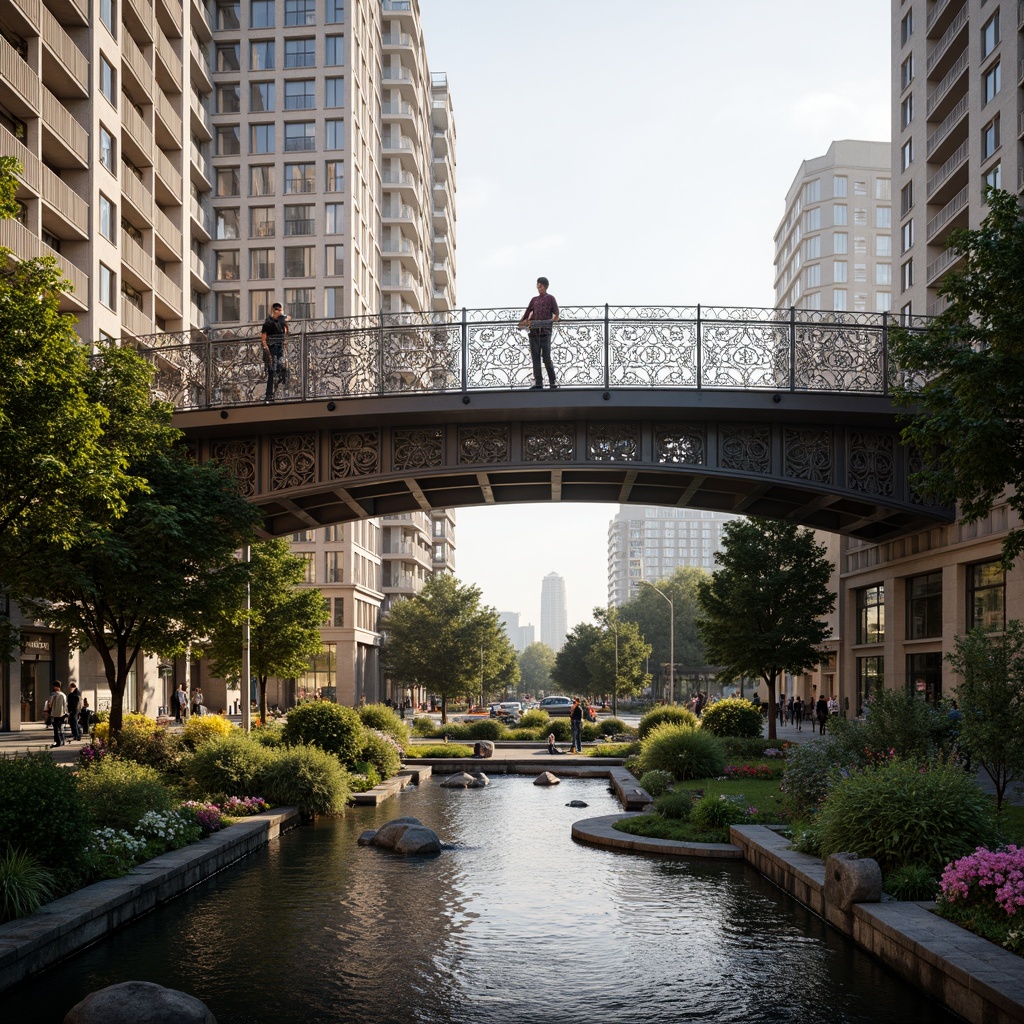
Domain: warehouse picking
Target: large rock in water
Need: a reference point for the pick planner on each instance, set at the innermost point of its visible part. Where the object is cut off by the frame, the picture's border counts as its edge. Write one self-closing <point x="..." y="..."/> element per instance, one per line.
<point x="403" y="835"/>
<point x="139" y="1002"/>
<point x="546" y="779"/>
<point x="463" y="780"/>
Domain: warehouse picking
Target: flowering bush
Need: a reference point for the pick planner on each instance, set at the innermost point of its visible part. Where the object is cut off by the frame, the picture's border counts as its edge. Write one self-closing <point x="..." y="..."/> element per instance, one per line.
<point x="986" y="877"/>
<point x="92" y="753"/>
<point x="206" y="816"/>
<point x="112" y="852"/>
<point x="167" y="830"/>
<point x="243" y="806"/>
<point x="750" y="771"/>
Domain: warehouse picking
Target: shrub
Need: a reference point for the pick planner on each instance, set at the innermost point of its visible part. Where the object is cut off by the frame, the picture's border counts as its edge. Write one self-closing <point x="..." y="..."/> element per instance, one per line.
<point x="486" y="729"/>
<point x="328" y="726"/>
<point x="199" y="729"/>
<point x="440" y="750"/>
<point x="900" y="813"/>
<point x="309" y="778"/>
<point x="167" y="830"/>
<point x="112" y="852"/>
<point x="711" y="812"/>
<point x="41" y="809"/>
<point x="686" y="753"/>
<point x="612" y="726"/>
<point x="423" y="726"/>
<point x="363" y="776"/>
<point x="667" y="713"/>
<point x="235" y="763"/>
<point x="912" y="882"/>
<point x="562" y="729"/>
<point x="676" y="806"/>
<point x="991" y="881"/>
<point x="385" y="719"/>
<point x="206" y="815"/>
<point x="24" y="883"/>
<point x="751" y="746"/>
<point x="810" y="770"/>
<point x="382" y="752"/>
<point x="734" y="716"/>
<point x="617" y="750"/>
<point x="155" y="747"/>
<point x="657" y="781"/>
<point x="269" y="735"/>
<point x="118" y="793"/>
<point x="535" y="719"/>
<point x="807" y="839"/>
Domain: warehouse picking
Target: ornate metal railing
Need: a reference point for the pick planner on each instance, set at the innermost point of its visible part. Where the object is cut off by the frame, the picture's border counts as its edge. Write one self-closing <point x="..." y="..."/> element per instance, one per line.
<point x="605" y="347"/>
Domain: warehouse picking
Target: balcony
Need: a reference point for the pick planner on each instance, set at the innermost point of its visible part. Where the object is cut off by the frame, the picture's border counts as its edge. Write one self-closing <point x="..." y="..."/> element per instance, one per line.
<point x="133" y="320"/>
<point x="136" y="129"/>
<point x="398" y="212"/>
<point x="167" y="292"/>
<point x="941" y="134"/>
<point x="201" y="220"/>
<point x="138" y="18"/>
<point x="64" y="130"/>
<point x="298" y="227"/>
<point x="941" y="92"/>
<point x="201" y="124"/>
<point x="200" y="65"/>
<point x="946" y="215"/>
<point x="64" y="67"/>
<point x="136" y="193"/>
<point x="168" y="235"/>
<point x="137" y="260"/>
<point x="202" y="172"/>
<point x="941" y="49"/>
<point x="168" y="66"/>
<point x="28" y="10"/>
<point x="19" y="85"/>
<point x="166" y="122"/>
<point x="200" y="273"/>
<point x="941" y="264"/>
<point x="168" y="180"/>
<point x="132" y="60"/>
<point x="945" y="172"/>
<point x="63" y="207"/>
<point x="169" y="14"/>
<point x="26" y="246"/>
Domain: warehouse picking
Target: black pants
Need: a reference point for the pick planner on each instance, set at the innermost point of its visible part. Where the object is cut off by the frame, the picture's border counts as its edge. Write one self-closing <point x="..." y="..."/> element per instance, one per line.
<point x="272" y="360"/>
<point x="540" y="348"/>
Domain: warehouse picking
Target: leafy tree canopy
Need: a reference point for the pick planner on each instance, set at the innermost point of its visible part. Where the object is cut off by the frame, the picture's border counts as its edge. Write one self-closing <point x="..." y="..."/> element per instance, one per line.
<point x="571" y="673"/>
<point x="616" y="662"/>
<point x="535" y="665"/>
<point x="964" y="374"/>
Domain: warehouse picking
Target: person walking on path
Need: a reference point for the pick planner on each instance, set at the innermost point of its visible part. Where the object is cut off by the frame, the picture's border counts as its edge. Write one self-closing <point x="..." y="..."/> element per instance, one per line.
<point x="197" y="701"/>
<point x="180" y="702"/>
<point x="541" y="314"/>
<point x="821" y="713"/>
<point x="74" y="705"/>
<point x="576" y="721"/>
<point x="275" y="327"/>
<point x="57" y="709"/>
<point x="798" y="713"/>
<point x="85" y="716"/>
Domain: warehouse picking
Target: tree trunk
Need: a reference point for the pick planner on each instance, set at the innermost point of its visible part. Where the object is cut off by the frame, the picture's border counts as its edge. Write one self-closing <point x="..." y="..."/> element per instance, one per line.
<point x="444" y="709"/>
<point x="262" y="680"/>
<point x="772" y="709"/>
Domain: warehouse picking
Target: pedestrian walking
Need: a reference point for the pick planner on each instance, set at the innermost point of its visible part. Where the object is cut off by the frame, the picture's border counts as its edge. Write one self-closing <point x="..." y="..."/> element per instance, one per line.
<point x="540" y="316"/>
<point x="56" y="712"/>
<point x="74" y="709"/>
<point x="821" y="713"/>
<point x="576" y="721"/>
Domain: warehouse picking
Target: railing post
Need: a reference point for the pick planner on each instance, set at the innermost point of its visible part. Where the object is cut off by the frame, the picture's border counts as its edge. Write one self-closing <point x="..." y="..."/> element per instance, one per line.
<point x="465" y="352"/>
<point x="607" y="349"/>
<point x="792" y="348"/>
<point x="700" y="351"/>
<point x="208" y="390"/>
<point x="885" y="352"/>
<point x="380" y="354"/>
<point x="304" y="361"/>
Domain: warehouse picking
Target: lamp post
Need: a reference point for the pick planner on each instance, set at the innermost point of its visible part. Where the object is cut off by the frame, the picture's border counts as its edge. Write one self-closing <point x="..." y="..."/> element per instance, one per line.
<point x="671" y="639"/>
<point x="614" y="627"/>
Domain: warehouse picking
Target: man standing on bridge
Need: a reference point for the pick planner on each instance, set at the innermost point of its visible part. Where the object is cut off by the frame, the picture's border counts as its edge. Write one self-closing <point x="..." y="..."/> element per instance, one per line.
<point x="275" y="327"/>
<point x="540" y="315"/>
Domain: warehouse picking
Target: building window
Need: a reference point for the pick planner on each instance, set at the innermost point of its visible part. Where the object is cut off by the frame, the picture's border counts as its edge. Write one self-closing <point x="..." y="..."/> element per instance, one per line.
<point x="261" y="97"/>
<point x="108" y="287"/>
<point x="840" y="214"/>
<point x="299" y="261"/>
<point x="990" y="35"/>
<point x="227" y="57"/>
<point x="261" y="180"/>
<point x="309" y="569"/>
<point x="299" y="94"/>
<point x="870" y="680"/>
<point x="883" y="245"/>
<point x="812" y="275"/>
<point x="259" y="304"/>
<point x="907" y="72"/>
<point x="228" y="15"/>
<point x="907" y="275"/>
<point x="839" y="186"/>
<point x="883" y="302"/>
<point x="993" y="178"/>
<point x="992" y="82"/>
<point x="840" y="243"/>
<point x="227" y="184"/>
<point x="883" y="189"/>
<point x="839" y="299"/>
<point x="339" y="612"/>
<point x="812" y="219"/>
<point x="883" y="273"/>
<point x="300" y="302"/>
<point x="229" y="140"/>
<point x="812" y="247"/>
<point x="261" y="55"/>
<point x="262" y="266"/>
<point x="906" y="198"/>
<point x="335" y="11"/>
<point x="108" y="150"/>
<point x="298" y="220"/>
<point x="299" y="136"/>
<point x="261" y="138"/>
<point x="924" y="606"/>
<point x="334" y="133"/>
<point x="883" y="217"/>
<point x="300" y="53"/>
<point x="840" y="272"/>
<point x="812" y="191"/>
<point x="228" y="99"/>
<point x="229" y="306"/>
<point x="108" y="81"/>
<point x="334" y="218"/>
<point x="335" y="92"/>
<point x="226" y="223"/>
<point x="335" y="51"/>
<point x="108" y="217"/>
<point x="907" y="111"/>
<point x="262" y="222"/>
<point x="907" y="235"/>
<point x="906" y="27"/>
<point x="871" y="615"/>
<point x="990" y="138"/>
<point x="108" y="15"/>
<point x="906" y="154"/>
<point x="334" y="262"/>
<point x="333" y="299"/>
<point x="335" y="176"/>
<point x="299" y="12"/>
<point x="986" y="597"/>
<point x="261" y="14"/>
<point x="299" y="178"/>
<point x="334" y="567"/>
<point x="227" y="264"/>
<point x="924" y="675"/>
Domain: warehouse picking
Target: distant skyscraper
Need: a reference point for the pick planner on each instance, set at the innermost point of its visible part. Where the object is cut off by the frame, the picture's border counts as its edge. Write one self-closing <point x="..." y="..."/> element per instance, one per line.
<point x="520" y="636"/>
<point x="554" y="620"/>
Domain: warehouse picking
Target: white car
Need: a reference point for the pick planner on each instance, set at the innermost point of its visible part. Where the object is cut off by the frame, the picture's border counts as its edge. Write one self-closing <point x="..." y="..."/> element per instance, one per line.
<point x="556" y="705"/>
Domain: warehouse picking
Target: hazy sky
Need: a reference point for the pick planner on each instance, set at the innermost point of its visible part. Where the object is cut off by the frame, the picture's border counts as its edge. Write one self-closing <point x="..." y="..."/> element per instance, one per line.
<point x="634" y="154"/>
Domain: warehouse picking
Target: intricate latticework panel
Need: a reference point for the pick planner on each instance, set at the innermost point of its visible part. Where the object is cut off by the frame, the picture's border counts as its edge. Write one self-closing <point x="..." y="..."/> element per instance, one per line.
<point x="872" y="462"/>
<point x="180" y="372"/>
<point x="498" y="356"/>
<point x="292" y="461"/>
<point x="843" y="358"/>
<point x="239" y="456"/>
<point x="809" y="454"/>
<point x="343" y="363"/>
<point x="746" y="447"/>
<point x="238" y="373"/>
<point x="652" y="353"/>
<point x="354" y="453"/>
<point x="420" y="358"/>
<point x="548" y="442"/>
<point x="745" y="355"/>
<point x="418" y="449"/>
<point x="613" y="442"/>
<point x="488" y="445"/>
<point x="577" y="350"/>
<point x="683" y="444"/>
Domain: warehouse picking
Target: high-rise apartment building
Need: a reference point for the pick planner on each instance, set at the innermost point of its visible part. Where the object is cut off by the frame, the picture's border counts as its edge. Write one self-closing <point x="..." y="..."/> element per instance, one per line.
<point x="833" y="248"/>
<point x="554" y="618"/>
<point x="955" y="130"/>
<point x="648" y="542"/>
<point x="519" y="636"/>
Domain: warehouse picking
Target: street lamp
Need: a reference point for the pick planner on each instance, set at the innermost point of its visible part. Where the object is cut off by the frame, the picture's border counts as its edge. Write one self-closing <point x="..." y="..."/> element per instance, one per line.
<point x="614" y="627"/>
<point x="671" y="639"/>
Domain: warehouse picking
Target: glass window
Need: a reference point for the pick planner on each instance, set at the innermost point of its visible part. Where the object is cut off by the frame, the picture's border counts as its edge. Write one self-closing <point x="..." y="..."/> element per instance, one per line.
<point x="335" y="176"/>
<point x="906" y="198"/>
<point x="334" y="216"/>
<point x="839" y="214"/>
<point x="261" y="222"/>
<point x="906" y="27"/>
<point x="299" y="12"/>
<point x="870" y="680"/>
<point x="299" y="219"/>
<point x="261" y="14"/>
<point x="262" y="265"/>
<point x="261" y="138"/>
<point x="907" y="72"/>
<point x="812" y="191"/>
<point x="924" y="675"/>
<point x="299" y="261"/>
<point x="907" y="235"/>
<point x="812" y="247"/>
<point x="108" y="81"/>
<point x="108" y="15"/>
<point x="871" y="615"/>
<point x="261" y="97"/>
<point x="339" y="612"/>
<point x="812" y="275"/>
<point x="228" y="99"/>
<point x="227" y="181"/>
<point x="883" y="217"/>
<point x="840" y="271"/>
<point x="812" y="219"/>
<point x="840" y="243"/>
<point x="883" y="302"/>
<point x="883" y="273"/>
<point x="993" y="177"/>
<point x="906" y="154"/>
<point x="299" y="178"/>
<point x="334" y="261"/>
<point x="990" y="138"/>
<point x="259" y="304"/>
<point x="990" y="35"/>
<point x="907" y="111"/>
<point x="226" y="222"/>
<point x="335" y="92"/>
<point x="228" y="139"/>
<point x="992" y="82"/>
<point x="299" y="94"/>
<point x="227" y="264"/>
<point x="839" y="298"/>
<point x="108" y="150"/>
<point x="261" y="180"/>
<point x="839" y="185"/>
<point x="261" y="55"/>
<point x="227" y="58"/>
<point x="299" y="53"/>
<point x="986" y="597"/>
<point x="335" y="51"/>
<point x="883" y="188"/>
<point x="227" y="18"/>
<point x="883" y="245"/>
<point x="108" y="217"/>
<point x="924" y="606"/>
<point x="335" y="11"/>
<point x="300" y="302"/>
<point x="299" y="136"/>
<point x="229" y="306"/>
<point x="108" y="287"/>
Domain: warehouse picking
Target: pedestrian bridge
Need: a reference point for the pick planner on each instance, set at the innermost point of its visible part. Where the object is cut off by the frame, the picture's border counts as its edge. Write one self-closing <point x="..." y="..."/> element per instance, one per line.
<point x="785" y="414"/>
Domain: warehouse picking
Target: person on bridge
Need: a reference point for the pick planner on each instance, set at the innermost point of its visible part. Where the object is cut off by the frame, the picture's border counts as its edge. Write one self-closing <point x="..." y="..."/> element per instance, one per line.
<point x="540" y="315"/>
<point x="275" y="327"/>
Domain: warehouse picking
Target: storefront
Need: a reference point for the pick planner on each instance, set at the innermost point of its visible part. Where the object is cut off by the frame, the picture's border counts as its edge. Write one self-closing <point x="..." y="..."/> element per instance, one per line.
<point x="37" y="674"/>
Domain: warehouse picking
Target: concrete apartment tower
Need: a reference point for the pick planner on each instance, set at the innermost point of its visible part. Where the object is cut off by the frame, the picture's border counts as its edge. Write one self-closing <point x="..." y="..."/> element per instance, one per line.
<point x="833" y="248"/>
<point x="554" y="619"/>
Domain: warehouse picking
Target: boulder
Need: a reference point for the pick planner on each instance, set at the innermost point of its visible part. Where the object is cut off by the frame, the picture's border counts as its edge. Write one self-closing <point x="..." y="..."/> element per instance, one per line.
<point x="851" y="879"/>
<point x="417" y="839"/>
<point x="389" y="835"/>
<point x="460" y="780"/>
<point x="367" y="837"/>
<point x="577" y="803"/>
<point x="479" y="780"/>
<point x="139" y="1002"/>
<point x="546" y="779"/>
<point x="483" y="748"/>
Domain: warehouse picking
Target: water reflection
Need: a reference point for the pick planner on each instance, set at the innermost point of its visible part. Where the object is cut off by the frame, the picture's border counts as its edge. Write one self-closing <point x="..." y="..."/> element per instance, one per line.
<point x="515" y="924"/>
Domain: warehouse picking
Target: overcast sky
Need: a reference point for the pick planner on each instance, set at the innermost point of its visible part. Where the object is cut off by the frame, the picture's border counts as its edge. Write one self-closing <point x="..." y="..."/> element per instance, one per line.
<point x="633" y="155"/>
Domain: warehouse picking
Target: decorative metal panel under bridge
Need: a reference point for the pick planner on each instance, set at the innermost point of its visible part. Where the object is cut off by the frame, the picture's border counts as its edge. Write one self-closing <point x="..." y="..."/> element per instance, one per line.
<point x="779" y="413"/>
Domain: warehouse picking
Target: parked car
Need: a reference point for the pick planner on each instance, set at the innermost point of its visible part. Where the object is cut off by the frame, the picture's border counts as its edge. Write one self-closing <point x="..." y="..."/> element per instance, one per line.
<point x="511" y="705"/>
<point x="556" y="705"/>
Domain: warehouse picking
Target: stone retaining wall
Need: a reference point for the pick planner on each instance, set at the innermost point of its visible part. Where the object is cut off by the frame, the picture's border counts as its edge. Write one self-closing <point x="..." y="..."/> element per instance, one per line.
<point x="63" y="927"/>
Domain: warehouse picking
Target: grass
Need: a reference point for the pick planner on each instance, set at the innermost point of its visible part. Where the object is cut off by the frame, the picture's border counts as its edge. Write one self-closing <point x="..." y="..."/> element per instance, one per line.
<point x="654" y="826"/>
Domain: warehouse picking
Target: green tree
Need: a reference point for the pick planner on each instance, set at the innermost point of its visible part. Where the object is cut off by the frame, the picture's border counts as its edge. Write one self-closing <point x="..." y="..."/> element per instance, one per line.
<point x="535" y="665"/>
<point x="616" y="661"/>
<point x="572" y="670"/>
<point x="964" y="374"/>
<point x="153" y="580"/>
<point x="763" y="609"/>
<point x="284" y="621"/>
<point x="991" y="700"/>
<point x="444" y="640"/>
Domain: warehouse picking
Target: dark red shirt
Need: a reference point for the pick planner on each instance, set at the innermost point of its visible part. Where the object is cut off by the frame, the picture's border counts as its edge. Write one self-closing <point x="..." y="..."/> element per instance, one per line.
<point x="542" y="307"/>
